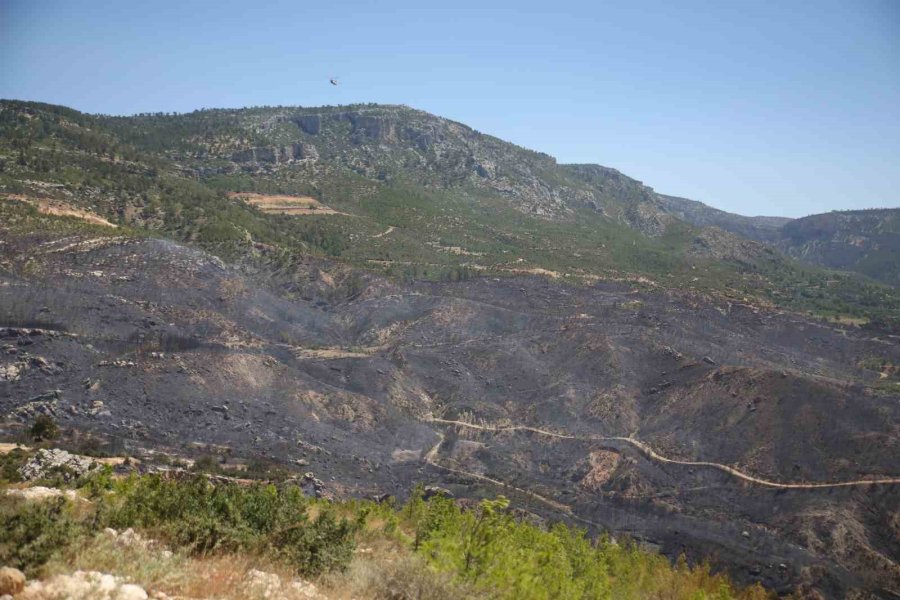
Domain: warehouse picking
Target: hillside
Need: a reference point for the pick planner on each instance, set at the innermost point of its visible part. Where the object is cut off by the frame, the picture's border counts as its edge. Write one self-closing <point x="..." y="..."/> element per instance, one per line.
<point x="154" y="345"/>
<point x="861" y="241"/>
<point x="762" y="229"/>
<point x="462" y="313"/>
<point x="866" y="241"/>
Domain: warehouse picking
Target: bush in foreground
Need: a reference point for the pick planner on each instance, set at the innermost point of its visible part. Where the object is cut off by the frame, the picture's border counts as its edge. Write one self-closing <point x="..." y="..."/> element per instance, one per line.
<point x="425" y="550"/>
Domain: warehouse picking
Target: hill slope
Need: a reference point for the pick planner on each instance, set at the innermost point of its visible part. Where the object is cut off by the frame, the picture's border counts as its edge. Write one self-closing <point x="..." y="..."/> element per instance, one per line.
<point x="156" y="345"/>
<point x="762" y="229"/>
<point x="863" y="241"/>
<point x="147" y="295"/>
<point x="867" y="241"/>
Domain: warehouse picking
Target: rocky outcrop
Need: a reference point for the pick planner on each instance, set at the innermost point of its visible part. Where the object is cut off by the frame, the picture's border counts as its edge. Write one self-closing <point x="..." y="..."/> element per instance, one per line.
<point x="38" y="493"/>
<point x="46" y="463"/>
<point x="718" y="244"/>
<point x="276" y="154"/>
<point x="378" y="126"/>
<point x="382" y="128"/>
<point x="43" y="404"/>
<point x="130" y="538"/>
<point x="431" y="491"/>
<point x="311" y="486"/>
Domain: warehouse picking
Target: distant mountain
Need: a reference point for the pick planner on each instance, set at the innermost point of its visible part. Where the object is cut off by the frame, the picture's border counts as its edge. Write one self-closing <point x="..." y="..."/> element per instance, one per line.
<point x="763" y="229"/>
<point x="863" y="241"/>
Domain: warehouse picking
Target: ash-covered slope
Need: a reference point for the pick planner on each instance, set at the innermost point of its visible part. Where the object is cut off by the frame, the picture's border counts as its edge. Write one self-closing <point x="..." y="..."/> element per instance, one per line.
<point x="160" y="345"/>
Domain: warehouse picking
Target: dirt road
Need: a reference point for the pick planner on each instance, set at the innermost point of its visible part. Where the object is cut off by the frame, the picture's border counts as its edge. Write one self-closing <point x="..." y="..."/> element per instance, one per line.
<point x="648" y="451"/>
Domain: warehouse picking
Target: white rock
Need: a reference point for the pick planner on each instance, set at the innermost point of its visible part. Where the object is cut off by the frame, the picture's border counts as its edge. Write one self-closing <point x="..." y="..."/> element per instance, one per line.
<point x="82" y="585"/>
<point x="129" y="591"/>
<point x="44" y="461"/>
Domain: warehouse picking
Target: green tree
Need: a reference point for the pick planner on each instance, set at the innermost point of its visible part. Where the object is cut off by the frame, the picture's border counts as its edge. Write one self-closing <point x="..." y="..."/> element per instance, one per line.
<point x="44" y="428"/>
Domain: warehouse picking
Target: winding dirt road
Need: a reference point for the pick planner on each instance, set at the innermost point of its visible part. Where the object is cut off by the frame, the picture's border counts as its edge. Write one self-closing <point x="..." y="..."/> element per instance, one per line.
<point x="431" y="459"/>
<point x="649" y="452"/>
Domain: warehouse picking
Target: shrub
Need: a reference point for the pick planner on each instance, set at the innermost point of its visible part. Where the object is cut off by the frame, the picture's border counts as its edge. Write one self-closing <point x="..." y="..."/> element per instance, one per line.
<point x="207" y="464"/>
<point x="44" y="428"/>
<point x="437" y="549"/>
<point x="10" y="463"/>
<point x="33" y="531"/>
<point x="406" y="578"/>
<point x="489" y="551"/>
<point x="315" y="547"/>
<point x="206" y="518"/>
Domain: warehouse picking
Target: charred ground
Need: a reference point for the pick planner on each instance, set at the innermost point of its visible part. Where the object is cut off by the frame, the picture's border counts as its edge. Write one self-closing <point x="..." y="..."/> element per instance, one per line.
<point x="162" y="346"/>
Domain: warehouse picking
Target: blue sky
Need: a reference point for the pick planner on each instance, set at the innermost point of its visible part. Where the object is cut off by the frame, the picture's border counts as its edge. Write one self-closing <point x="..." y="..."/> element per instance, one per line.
<point x="757" y="107"/>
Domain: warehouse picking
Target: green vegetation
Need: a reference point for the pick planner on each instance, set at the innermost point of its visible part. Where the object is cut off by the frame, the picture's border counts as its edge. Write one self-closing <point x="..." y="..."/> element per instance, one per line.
<point x="485" y="551"/>
<point x="44" y="428"/>
<point x="10" y="463"/>
<point x="34" y="531"/>
<point x="207" y="518"/>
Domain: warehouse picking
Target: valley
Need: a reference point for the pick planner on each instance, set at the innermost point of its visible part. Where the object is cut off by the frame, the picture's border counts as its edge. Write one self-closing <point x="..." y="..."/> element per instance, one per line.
<point x="385" y="298"/>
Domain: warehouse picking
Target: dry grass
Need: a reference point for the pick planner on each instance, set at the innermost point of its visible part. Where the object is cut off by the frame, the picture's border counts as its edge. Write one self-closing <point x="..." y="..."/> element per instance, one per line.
<point x="6" y="448"/>
<point x="59" y="208"/>
<point x="385" y="577"/>
<point x="381" y="571"/>
<point x="223" y="577"/>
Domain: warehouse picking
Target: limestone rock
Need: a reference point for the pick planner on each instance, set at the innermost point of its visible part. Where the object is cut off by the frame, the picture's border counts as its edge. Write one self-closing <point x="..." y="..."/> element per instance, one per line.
<point x="430" y="491"/>
<point x="45" y="462"/>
